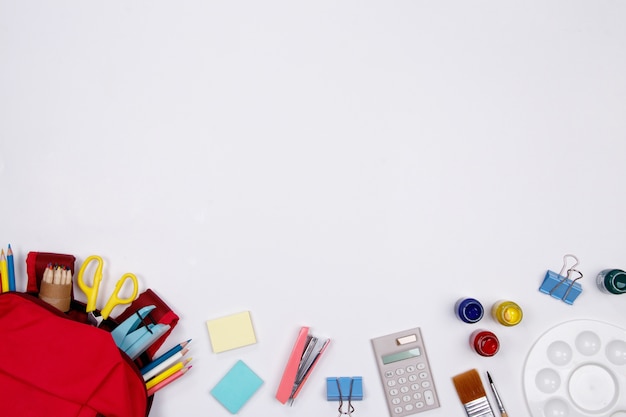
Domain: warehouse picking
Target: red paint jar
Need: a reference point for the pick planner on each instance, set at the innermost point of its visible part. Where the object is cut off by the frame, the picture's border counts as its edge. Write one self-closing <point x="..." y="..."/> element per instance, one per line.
<point x="484" y="342"/>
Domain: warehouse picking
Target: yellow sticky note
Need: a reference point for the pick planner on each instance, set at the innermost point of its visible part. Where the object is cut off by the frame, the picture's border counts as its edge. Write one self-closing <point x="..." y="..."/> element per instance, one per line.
<point x="231" y="332"/>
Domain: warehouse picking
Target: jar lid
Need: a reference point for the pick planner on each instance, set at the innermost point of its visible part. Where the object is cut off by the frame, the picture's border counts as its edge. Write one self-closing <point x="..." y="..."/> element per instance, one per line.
<point x="615" y="281"/>
<point x="470" y="310"/>
<point x="486" y="343"/>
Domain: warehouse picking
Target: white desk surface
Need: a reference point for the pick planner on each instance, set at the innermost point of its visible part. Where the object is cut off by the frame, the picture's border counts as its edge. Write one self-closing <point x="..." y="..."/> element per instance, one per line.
<point x="351" y="166"/>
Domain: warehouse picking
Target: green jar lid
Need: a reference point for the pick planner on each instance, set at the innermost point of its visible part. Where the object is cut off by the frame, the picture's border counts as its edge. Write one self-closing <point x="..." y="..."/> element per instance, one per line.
<point x="615" y="281"/>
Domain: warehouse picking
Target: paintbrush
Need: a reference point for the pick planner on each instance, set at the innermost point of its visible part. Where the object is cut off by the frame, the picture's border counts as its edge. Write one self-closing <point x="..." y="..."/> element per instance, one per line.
<point x="472" y="394"/>
<point x="503" y="412"/>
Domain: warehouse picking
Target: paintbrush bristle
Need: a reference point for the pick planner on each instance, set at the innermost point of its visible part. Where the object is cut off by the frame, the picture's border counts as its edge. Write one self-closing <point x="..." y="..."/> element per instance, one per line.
<point x="469" y="386"/>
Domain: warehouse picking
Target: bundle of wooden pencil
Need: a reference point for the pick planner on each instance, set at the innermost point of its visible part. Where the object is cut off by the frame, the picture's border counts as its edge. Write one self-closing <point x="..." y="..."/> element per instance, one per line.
<point x="56" y="287"/>
<point x="57" y="274"/>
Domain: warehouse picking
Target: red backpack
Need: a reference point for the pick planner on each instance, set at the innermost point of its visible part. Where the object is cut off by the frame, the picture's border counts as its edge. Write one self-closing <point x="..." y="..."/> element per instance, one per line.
<point x="52" y="365"/>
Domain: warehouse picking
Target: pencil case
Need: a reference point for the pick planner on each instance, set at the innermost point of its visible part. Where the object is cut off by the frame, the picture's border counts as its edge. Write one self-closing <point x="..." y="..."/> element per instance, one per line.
<point x="56" y="366"/>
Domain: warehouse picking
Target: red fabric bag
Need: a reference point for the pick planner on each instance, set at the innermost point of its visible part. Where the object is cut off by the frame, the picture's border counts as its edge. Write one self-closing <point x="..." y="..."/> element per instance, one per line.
<point x="53" y="366"/>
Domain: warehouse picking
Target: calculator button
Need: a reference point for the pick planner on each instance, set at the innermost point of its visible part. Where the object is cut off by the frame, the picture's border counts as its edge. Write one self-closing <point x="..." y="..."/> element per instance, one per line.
<point x="429" y="397"/>
<point x="393" y="391"/>
<point x="408" y="407"/>
<point x="402" y="380"/>
<point x="389" y="374"/>
<point x="410" y="369"/>
<point x="406" y="398"/>
<point x="399" y="371"/>
<point x="417" y="396"/>
<point x="419" y="404"/>
<point x="398" y="410"/>
<point x="415" y="387"/>
<point x="423" y="375"/>
<point x="395" y="401"/>
<point x="412" y="378"/>
<point x="421" y="366"/>
<point x="426" y="384"/>
<point x="404" y="390"/>
<point x="391" y="383"/>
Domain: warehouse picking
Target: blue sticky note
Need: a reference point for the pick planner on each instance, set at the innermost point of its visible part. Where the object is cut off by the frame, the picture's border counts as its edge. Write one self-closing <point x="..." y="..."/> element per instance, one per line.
<point x="236" y="387"/>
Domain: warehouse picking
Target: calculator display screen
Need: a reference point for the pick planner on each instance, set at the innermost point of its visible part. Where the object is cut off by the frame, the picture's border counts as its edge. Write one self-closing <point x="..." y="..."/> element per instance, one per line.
<point x="407" y="354"/>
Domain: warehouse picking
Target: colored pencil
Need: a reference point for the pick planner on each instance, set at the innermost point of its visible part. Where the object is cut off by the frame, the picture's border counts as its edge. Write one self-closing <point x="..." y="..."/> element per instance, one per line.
<point x="4" y="270"/>
<point x="165" y="364"/>
<point x="163" y="357"/>
<point x="168" y="381"/>
<point x="166" y="374"/>
<point x="11" y="269"/>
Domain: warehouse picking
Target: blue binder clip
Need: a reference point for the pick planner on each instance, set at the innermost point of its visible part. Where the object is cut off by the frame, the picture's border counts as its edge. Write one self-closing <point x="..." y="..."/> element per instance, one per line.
<point x="344" y="389"/>
<point x="563" y="286"/>
<point x="134" y="336"/>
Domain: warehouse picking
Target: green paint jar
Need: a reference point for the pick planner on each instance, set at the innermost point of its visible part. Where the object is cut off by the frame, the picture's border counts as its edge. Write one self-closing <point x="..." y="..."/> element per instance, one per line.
<point x="612" y="281"/>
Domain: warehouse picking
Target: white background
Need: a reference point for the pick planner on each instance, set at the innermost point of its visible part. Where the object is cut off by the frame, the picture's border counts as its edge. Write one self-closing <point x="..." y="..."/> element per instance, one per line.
<point x="353" y="166"/>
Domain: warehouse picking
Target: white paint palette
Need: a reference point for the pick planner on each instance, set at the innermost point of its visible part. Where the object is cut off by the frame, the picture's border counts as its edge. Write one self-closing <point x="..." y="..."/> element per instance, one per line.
<point x="577" y="369"/>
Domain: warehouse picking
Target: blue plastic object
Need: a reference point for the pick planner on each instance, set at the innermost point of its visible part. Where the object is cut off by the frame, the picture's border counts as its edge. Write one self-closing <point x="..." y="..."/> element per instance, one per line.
<point x="344" y="388"/>
<point x="561" y="287"/>
<point x="134" y="337"/>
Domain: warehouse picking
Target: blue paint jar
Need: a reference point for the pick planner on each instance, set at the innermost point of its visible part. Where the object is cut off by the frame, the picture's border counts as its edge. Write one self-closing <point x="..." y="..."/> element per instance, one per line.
<point x="469" y="310"/>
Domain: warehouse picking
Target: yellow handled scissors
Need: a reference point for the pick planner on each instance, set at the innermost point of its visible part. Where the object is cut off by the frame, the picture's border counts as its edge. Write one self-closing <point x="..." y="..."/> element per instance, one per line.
<point x="92" y="292"/>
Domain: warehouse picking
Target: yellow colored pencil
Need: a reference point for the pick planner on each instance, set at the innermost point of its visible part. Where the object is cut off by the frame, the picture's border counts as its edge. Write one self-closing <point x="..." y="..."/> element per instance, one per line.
<point x="165" y="374"/>
<point x="4" y="270"/>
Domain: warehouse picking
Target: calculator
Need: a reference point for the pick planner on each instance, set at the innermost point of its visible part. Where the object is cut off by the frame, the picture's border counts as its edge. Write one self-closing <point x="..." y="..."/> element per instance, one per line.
<point x="405" y="373"/>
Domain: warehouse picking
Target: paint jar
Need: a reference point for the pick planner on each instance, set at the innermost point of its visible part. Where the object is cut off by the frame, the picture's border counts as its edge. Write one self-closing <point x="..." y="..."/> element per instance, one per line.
<point x="507" y="312"/>
<point x="484" y="342"/>
<point x="612" y="281"/>
<point x="469" y="310"/>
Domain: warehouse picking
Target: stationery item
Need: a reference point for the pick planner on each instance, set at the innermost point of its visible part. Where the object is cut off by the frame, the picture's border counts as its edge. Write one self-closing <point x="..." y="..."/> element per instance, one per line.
<point x="304" y="356"/>
<point x="236" y="387"/>
<point x="160" y="314"/>
<point x="577" y="368"/>
<point x="472" y="394"/>
<point x="168" y="380"/>
<point x="167" y="373"/>
<point x="4" y="272"/>
<point x="134" y="336"/>
<point x="496" y="395"/>
<point x="564" y="285"/>
<point x="344" y="389"/>
<point x="11" y="269"/>
<point x="612" y="281"/>
<point x="91" y="292"/>
<point x="231" y="332"/>
<point x="484" y="342"/>
<point x="56" y="287"/>
<point x="165" y="364"/>
<point x="507" y="313"/>
<point x="164" y="357"/>
<point x="469" y="310"/>
<point x="37" y="262"/>
<point x="405" y="372"/>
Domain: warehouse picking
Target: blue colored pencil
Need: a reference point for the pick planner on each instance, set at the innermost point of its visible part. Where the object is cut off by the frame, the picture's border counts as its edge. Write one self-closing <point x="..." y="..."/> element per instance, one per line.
<point x="163" y="357"/>
<point x="11" y="269"/>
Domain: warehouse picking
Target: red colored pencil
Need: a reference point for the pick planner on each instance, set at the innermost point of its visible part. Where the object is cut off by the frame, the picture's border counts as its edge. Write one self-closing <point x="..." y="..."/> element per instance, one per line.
<point x="168" y="380"/>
